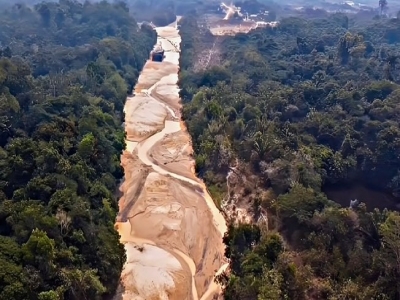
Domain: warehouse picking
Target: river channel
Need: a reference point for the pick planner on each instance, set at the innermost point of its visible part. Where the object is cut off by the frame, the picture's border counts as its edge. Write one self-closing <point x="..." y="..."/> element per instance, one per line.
<point x="170" y="227"/>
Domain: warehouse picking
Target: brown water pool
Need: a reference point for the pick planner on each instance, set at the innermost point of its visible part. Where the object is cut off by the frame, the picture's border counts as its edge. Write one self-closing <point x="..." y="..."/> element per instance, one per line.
<point x="371" y="197"/>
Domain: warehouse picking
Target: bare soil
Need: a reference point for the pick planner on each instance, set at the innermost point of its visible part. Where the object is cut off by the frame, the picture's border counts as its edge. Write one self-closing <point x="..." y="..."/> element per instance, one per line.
<point x="169" y="224"/>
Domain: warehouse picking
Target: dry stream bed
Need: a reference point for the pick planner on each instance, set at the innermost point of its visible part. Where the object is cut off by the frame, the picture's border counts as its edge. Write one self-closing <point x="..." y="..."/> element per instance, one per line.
<point x="170" y="226"/>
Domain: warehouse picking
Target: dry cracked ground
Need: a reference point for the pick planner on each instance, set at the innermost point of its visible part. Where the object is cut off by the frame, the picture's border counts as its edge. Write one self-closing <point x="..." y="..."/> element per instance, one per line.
<point x="169" y="224"/>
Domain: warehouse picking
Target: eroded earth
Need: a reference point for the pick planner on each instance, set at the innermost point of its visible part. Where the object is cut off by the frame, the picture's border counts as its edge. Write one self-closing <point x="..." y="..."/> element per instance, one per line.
<point x="169" y="224"/>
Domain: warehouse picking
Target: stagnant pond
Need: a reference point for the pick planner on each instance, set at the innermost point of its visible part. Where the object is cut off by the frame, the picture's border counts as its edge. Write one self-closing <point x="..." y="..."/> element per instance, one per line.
<point x="373" y="198"/>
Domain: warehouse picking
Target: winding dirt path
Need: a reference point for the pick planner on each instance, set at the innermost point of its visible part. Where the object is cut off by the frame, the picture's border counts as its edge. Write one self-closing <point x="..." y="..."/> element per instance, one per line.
<point x="169" y="224"/>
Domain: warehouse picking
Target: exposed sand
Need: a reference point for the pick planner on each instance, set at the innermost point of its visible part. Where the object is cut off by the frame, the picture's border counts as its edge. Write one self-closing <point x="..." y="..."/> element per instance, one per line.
<point x="169" y="224"/>
<point x="174" y="154"/>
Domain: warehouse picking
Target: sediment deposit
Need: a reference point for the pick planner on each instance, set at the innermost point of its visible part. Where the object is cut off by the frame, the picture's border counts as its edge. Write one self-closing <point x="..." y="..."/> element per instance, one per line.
<point x="169" y="224"/>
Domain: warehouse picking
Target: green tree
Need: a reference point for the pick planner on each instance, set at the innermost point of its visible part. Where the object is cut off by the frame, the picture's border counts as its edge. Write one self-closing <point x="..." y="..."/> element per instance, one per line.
<point x="39" y="251"/>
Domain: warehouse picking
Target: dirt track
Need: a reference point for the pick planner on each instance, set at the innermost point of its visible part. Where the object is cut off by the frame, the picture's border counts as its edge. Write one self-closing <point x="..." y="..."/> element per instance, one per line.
<point x="170" y="226"/>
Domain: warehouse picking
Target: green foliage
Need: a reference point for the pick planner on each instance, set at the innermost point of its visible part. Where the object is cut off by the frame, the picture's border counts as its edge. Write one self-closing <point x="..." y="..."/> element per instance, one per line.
<point x="63" y="82"/>
<point x="300" y="203"/>
<point x="86" y="146"/>
<point x="50" y="295"/>
<point x="38" y="251"/>
<point x="294" y="109"/>
<point x="270" y="289"/>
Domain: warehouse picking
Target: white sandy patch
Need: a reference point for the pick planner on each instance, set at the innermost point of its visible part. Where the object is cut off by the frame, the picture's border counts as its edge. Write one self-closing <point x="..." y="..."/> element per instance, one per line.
<point x="172" y="58"/>
<point x="171" y="79"/>
<point x="149" y="91"/>
<point x="130" y="146"/>
<point x="150" y="270"/>
<point x="143" y="116"/>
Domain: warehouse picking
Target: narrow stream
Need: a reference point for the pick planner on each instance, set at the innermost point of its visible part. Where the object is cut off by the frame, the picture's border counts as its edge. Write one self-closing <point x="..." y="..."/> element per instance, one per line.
<point x="172" y="234"/>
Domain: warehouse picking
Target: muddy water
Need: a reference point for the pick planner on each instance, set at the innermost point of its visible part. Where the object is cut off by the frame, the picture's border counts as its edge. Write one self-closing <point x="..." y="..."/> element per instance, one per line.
<point x="169" y="224"/>
<point x="373" y="198"/>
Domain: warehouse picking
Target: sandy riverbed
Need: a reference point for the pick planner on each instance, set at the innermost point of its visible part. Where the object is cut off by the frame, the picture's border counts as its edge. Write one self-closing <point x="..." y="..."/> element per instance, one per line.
<point x="170" y="226"/>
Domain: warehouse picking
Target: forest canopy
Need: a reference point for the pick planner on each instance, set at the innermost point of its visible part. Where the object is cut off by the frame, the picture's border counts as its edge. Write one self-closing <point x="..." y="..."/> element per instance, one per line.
<point x="287" y="112"/>
<point x="65" y="70"/>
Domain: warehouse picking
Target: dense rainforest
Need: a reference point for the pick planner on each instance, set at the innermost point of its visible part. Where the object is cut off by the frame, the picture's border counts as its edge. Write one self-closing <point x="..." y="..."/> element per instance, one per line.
<point x="65" y="70"/>
<point x="290" y="110"/>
